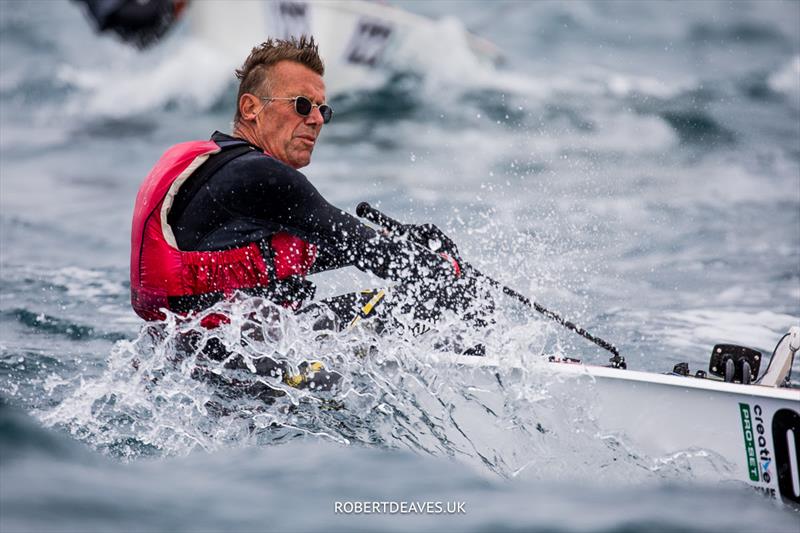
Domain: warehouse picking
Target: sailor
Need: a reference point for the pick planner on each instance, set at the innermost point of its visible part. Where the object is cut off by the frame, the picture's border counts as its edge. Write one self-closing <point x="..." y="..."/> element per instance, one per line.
<point x="138" y="22"/>
<point x="233" y="216"/>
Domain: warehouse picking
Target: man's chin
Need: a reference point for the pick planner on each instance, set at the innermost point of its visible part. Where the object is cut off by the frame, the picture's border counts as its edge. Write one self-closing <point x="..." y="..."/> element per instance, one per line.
<point x="300" y="160"/>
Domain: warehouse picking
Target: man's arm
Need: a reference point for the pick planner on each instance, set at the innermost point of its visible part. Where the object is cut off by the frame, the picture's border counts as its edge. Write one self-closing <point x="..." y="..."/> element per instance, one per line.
<point x="284" y="197"/>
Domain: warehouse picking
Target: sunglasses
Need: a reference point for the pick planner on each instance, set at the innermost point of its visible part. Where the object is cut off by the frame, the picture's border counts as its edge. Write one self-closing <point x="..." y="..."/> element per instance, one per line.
<point x="303" y="106"/>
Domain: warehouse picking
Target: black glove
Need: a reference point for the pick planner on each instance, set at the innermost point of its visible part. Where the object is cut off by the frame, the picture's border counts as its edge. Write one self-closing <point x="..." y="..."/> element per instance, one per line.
<point x="432" y="238"/>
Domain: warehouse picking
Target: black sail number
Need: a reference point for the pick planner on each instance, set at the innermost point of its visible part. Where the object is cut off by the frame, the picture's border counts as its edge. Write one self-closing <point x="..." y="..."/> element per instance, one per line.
<point x="786" y="436"/>
<point x="368" y="42"/>
<point x="290" y="19"/>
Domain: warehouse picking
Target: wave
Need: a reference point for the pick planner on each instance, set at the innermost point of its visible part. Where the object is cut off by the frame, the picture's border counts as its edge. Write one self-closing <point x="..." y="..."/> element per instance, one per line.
<point x="93" y="286"/>
<point x="44" y="323"/>
<point x="192" y="75"/>
<point x="267" y="488"/>
<point x="704" y="327"/>
<point x="698" y="128"/>
<point x="787" y="80"/>
<point x="21" y="436"/>
<point x="744" y="32"/>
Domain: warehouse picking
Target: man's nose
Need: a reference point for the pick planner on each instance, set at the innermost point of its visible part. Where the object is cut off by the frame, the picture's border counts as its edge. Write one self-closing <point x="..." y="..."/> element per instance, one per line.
<point x="315" y="117"/>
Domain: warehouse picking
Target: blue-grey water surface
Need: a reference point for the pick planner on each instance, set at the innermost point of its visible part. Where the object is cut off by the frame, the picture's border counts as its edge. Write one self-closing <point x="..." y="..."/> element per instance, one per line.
<point x="634" y="165"/>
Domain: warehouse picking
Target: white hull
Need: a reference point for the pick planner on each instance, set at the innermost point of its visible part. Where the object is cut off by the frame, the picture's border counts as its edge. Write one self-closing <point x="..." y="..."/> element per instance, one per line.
<point x="356" y="38"/>
<point x="754" y="428"/>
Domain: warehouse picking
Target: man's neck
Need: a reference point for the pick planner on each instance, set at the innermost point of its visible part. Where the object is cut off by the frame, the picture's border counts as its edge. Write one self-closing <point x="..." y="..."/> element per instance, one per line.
<point x="243" y="131"/>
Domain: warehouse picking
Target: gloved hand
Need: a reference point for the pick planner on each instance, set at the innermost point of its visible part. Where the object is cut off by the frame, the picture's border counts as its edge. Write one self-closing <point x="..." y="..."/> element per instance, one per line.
<point x="432" y="238"/>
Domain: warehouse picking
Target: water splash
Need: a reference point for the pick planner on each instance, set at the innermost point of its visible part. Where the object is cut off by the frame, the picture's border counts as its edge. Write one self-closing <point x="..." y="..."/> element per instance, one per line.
<point x="179" y="387"/>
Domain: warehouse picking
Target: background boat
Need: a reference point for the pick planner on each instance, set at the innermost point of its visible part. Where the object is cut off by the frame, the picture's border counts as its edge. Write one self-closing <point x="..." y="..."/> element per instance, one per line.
<point x="360" y="41"/>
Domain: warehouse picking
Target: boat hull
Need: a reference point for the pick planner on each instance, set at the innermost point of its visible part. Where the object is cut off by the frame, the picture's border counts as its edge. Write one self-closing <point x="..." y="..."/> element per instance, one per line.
<point x="754" y="429"/>
<point x="357" y="39"/>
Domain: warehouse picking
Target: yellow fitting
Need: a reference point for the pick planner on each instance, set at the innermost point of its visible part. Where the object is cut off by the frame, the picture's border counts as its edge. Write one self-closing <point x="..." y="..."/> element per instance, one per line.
<point x="299" y="379"/>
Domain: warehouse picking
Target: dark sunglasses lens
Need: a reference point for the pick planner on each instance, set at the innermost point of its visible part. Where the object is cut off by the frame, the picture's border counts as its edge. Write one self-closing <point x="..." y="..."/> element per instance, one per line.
<point x="327" y="113"/>
<point x="302" y="106"/>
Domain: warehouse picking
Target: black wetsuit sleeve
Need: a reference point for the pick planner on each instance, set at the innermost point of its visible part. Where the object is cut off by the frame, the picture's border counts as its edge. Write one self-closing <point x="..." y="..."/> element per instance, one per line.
<point x="255" y="187"/>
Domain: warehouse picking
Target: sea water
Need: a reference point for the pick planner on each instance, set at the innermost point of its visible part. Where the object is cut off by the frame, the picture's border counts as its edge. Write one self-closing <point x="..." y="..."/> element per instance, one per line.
<point x="634" y="166"/>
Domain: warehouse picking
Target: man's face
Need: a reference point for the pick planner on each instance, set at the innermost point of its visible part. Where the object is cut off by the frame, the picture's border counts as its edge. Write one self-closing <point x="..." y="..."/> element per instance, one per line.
<point x="287" y="135"/>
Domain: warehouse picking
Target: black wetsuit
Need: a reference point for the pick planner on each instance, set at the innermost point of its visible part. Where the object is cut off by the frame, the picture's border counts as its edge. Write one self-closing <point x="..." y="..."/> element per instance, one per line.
<point x="254" y="196"/>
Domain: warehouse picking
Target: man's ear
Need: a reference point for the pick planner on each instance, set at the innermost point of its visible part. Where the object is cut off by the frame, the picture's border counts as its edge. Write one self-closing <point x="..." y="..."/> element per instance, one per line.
<point x="249" y="106"/>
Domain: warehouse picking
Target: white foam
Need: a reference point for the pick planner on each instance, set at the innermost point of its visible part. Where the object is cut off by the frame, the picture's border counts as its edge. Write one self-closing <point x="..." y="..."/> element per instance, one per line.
<point x="439" y="50"/>
<point x="787" y="79"/>
<point x="708" y="326"/>
<point x="624" y="84"/>
<point x="722" y="179"/>
<point x="90" y="284"/>
<point x="195" y="74"/>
